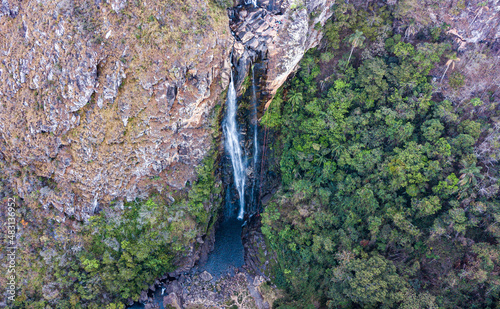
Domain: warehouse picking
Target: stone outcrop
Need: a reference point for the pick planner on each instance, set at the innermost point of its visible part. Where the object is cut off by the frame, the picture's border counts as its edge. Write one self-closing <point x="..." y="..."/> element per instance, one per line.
<point x="107" y="100"/>
<point x="278" y="32"/>
<point x="193" y="290"/>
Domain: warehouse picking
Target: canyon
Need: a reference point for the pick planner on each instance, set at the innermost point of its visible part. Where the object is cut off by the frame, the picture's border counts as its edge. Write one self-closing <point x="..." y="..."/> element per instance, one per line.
<point x="106" y="103"/>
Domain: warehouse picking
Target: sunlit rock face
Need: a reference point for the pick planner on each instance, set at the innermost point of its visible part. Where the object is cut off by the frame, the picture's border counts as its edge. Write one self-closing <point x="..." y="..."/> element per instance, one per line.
<point x="110" y="100"/>
<point x="107" y="100"/>
<point x="280" y="32"/>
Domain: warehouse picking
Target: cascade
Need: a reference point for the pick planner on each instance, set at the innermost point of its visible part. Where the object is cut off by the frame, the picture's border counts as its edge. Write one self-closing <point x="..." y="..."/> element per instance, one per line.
<point x="233" y="147"/>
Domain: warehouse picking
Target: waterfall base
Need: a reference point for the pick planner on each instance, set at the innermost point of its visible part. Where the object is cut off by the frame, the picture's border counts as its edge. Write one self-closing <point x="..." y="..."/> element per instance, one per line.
<point x="228" y="253"/>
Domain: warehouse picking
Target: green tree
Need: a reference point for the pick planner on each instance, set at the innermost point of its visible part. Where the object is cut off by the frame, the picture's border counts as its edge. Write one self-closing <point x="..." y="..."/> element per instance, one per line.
<point x="432" y="130"/>
<point x="295" y="98"/>
<point x="367" y="282"/>
<point x="356" y="40"/>
<point x="470" y="173"/>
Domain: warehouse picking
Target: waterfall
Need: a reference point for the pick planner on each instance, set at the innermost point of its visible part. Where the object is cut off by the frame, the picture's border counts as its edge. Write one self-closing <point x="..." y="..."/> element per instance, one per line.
<point x="233" y="147"/>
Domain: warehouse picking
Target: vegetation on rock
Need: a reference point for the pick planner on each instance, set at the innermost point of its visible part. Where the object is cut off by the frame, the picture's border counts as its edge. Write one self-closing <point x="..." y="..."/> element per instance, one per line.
<point x="120" y="251"/>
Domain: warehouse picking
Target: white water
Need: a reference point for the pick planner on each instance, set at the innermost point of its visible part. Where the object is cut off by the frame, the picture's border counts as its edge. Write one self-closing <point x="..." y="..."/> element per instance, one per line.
<point x="233" y="147"/>
<point x="253" y="2"/>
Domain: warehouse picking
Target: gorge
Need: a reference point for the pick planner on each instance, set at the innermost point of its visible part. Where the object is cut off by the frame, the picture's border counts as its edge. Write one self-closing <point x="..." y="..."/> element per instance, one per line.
<point x="250" y="154"/>
<point x="121" y="127"/>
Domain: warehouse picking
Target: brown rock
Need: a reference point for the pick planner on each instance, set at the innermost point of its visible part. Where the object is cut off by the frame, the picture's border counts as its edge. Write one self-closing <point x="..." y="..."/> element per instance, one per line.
<point x="101" y="99"/>
<point x="173" y="300"/>
<point x="206" y="276"/>
<point x="280" y="32"/>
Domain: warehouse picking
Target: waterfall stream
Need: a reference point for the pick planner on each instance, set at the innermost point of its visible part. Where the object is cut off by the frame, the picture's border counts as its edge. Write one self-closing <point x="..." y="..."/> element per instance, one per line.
<point x="233" y="146"/>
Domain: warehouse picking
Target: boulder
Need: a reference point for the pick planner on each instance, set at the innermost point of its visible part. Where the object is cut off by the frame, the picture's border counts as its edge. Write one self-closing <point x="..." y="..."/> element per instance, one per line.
<point x="172" y="300"/>
<point x="206" y="276"/>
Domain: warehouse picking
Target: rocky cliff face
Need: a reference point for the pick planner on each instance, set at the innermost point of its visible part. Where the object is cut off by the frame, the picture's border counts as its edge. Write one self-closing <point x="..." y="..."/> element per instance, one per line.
<point x="107" y="100"/>
<point x="110" y="100"/>
<point x="278" y="32"/>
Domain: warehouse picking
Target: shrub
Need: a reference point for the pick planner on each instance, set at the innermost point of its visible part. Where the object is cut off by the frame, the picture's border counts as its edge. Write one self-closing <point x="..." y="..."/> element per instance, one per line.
<point x="456" y="80"/>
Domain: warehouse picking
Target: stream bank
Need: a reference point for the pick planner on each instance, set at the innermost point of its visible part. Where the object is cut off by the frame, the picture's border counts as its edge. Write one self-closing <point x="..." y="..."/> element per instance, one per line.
<point x="240" y="281"/>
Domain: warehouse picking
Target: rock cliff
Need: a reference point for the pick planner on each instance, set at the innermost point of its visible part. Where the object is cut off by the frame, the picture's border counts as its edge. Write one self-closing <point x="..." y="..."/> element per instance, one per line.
<point x="110" y="100"/>
<point x="107" y="100"/>
<point x="278" y="32"/>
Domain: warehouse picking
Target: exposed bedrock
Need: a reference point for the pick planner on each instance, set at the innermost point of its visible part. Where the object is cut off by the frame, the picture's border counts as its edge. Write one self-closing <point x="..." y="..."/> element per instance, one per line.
<point x="107" y="100"/>
<point x="279" y="32"/>
<point x="111" y="100"/>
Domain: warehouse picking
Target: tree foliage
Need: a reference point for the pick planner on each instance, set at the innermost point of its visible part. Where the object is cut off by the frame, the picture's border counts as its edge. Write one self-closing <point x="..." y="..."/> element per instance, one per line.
<point x="379" y="181"/>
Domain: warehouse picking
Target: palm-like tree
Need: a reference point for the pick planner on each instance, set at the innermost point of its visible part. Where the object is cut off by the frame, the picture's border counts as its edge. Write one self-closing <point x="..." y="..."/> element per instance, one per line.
<point x="295" y="98"/>
<point x="356" y="39"/>
<point x="469" y="174"/>
<point x="452" y="59"/>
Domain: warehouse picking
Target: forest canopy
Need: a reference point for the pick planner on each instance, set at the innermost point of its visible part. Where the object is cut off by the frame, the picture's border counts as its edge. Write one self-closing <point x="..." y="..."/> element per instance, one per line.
<point x="385" y="200"/>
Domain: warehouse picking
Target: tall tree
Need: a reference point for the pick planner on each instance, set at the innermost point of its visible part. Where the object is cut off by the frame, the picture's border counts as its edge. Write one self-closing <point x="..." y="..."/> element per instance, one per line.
<point x="470" y="173"/>
<point x="356" y="39"/>
<point x="295" y="98"/>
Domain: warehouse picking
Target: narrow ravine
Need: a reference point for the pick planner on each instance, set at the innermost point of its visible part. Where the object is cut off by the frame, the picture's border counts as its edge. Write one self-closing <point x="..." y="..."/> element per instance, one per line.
<point x="240" y="204"/>
<point x="241" y="164"/>
<point x="228" y="252"/>
<point x="241" y="171"/>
